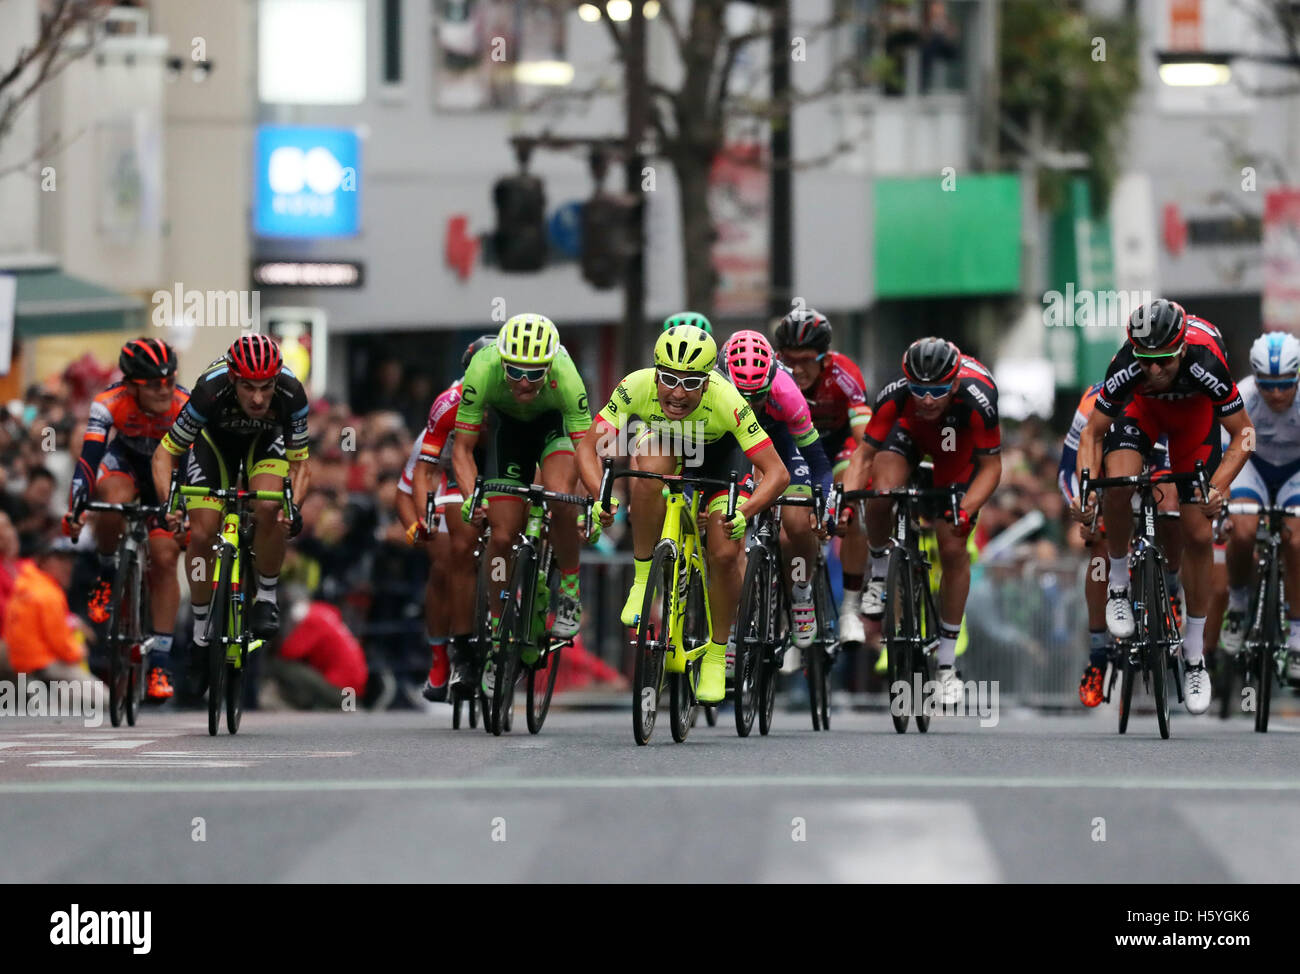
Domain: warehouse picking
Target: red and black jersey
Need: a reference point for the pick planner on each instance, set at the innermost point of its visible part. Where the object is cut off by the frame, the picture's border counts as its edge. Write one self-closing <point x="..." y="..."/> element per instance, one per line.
<point x="973" y="409"/>
<point x="1203" y="373"/>
<point x="837" y="401"/>
<point x="972" y="414"/>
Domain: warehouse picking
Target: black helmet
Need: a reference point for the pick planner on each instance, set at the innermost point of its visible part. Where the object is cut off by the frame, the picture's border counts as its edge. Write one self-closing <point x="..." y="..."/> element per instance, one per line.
<point x="804" y="328"/>
<point x="476" y="346"/>
<point x="931" y="360"/>
<point x="146" y="358"/>
<point x="1157" y="325"/>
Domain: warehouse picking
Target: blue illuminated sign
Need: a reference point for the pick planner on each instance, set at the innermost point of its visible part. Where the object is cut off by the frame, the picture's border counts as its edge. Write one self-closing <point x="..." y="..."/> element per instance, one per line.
<point x="307" y="182"/>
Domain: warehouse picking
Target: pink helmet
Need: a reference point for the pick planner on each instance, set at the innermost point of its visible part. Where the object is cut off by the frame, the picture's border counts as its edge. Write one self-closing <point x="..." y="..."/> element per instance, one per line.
<point x="750" y="361"/>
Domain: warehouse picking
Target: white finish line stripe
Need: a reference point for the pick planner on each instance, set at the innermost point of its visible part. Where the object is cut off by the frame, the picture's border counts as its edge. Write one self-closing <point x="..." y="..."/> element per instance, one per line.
<point x="867" y="782"/>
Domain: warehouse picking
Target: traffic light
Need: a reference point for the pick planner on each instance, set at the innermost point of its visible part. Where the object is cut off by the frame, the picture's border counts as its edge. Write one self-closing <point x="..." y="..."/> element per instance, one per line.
<point x="520" y="237"/>
<point x="609" y="237"/>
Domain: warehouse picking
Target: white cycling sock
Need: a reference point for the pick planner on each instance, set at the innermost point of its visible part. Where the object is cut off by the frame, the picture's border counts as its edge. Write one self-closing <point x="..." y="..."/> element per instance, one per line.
<point x="1238" y="596"/>
<point x="948" y="643"/>
<point x="266" y="587"/>
<point x="1194" y="640"/>
<point x="1119" y="574"/>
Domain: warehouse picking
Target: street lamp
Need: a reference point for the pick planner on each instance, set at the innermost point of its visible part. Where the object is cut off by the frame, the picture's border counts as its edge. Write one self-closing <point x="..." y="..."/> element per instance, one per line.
<point x="618" y="11"/>
<point x="1195" y="68"/>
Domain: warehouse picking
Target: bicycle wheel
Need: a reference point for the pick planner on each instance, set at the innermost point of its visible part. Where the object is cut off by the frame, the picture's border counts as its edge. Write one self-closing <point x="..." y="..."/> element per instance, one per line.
<point x="652" y="635"/>
<point x="751" y="634"/>
<point x="480" y="644"/>
<point x="685" y="704"/>
<point x="924" y="663"/>
<point x="542" y="674"/>
<point x="119" y="640"/>
<point x="896" y="630"/>
<point x="1271" y="643"/>
<point x="512" y="635"/>
<point x="827" y="634"/>
<point x="1127" y="675"/>
<point x="1154" y="630"/>
<point x="218" y="611"/>
<point x="234" y="696"/>
<point x="139" y="615"/>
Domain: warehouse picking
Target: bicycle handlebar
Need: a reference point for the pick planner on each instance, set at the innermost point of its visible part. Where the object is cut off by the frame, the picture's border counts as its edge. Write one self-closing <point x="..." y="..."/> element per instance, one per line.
<point x="731" y="485"/>
<point x="132" y="510"/>
<point x="1145" y="479"/>
<point x="537" y="491"/>
<point x="950" y="493"/>
<point x="1254" y="507"/>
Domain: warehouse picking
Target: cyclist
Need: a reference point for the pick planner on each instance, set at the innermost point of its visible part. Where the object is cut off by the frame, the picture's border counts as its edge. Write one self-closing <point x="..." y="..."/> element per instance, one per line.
<point x="246" y="407"/>
<point x="1092" y="685"/>
<point x="769" y="387"/>
<point x="539" y="404"/>
<point x="944" y="404"/>
<point x="1271" y="476"/>
<point x="837" y="400"/>
<point x="1170" y="378"/>
<point x="688" y="409"/>
<point x="138" y="411"/>
<point x="449" y="595"/>
<point x="691" y="318"/>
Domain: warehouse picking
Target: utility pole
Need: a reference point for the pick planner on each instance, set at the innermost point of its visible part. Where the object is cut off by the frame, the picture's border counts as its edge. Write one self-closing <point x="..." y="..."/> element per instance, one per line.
<point x="781" y="243"/>
<point x="635" y="337"/>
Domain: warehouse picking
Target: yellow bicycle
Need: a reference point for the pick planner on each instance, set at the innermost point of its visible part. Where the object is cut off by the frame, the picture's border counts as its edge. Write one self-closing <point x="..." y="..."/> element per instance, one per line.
<point x="230" y="641"/>
<point x="674" y="626"/>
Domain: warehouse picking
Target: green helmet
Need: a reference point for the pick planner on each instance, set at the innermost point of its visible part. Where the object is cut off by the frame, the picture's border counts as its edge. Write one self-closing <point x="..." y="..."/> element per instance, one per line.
<point x="692" y="318"/>
<point x="686" y="348"/>
<point x="528" y="339"/>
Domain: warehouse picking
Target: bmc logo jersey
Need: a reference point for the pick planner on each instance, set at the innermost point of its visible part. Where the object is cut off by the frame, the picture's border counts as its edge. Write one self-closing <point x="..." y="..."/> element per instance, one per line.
<point x="968" y="428"/>
<point x="1187" y="413"/>
<point x="1204" y="373"/>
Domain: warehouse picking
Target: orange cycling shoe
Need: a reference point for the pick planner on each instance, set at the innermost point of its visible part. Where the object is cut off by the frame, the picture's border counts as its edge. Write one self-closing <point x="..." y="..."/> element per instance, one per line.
<point x="160" y="684"/>
<point x="99" y="599"/>
<point x="1090" y="687"/>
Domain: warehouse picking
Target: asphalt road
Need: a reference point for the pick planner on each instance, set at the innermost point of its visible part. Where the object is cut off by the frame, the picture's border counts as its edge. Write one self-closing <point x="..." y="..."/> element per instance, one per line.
<point x="402" y="797"/>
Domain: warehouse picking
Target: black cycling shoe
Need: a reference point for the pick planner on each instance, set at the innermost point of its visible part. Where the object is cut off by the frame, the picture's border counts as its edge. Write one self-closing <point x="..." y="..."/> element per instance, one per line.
<point x="264" y="618"/>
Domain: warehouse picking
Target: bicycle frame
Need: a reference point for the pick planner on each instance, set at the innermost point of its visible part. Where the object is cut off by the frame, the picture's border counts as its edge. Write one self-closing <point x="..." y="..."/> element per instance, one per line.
<point x="230" y="542"/>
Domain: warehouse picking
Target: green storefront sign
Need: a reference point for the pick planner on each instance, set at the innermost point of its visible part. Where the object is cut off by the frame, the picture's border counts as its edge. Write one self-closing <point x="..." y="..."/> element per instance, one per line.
<point x="947" y="235"/>
<point x="1083" y="312"/>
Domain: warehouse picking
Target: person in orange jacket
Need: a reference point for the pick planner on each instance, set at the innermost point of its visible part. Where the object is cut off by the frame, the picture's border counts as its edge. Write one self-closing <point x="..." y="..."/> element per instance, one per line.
<point x="42" y="635"/>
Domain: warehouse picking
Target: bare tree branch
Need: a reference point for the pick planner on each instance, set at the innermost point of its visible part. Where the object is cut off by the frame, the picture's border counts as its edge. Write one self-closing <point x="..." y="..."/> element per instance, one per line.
<point x="674" y="27"/>
<point x="47" y="57"/>
<point x="52" y="146"/>
<point x="620" y="41"/>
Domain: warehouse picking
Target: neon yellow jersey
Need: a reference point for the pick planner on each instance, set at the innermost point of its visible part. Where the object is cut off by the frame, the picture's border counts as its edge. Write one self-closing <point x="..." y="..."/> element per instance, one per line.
<point x="722" y="411"/>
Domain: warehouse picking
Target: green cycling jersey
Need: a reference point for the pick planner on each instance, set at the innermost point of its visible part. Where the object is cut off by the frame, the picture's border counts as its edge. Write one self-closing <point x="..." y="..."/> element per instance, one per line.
<point x="485" y="385"/>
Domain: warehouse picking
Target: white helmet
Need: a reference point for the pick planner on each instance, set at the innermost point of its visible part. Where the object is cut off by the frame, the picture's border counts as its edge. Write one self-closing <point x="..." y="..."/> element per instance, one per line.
<point x="1275" y="353"/>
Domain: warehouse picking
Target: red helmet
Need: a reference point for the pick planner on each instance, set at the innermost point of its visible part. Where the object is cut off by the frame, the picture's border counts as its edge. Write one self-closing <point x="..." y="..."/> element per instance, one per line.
<point x="254" y="357"/>
<point x="750" y="362"/>
<point x="146" y="358"/>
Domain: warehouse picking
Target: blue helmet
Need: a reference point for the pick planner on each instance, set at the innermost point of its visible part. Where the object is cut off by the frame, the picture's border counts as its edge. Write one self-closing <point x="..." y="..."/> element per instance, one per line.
<point x="1275" y="353"/>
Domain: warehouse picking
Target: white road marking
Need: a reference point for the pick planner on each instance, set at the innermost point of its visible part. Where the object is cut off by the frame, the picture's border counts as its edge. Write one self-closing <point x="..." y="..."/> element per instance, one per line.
<point x="872" y="782"/>
<point x="140" y="762"/>
<point x="879" y="841"/>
